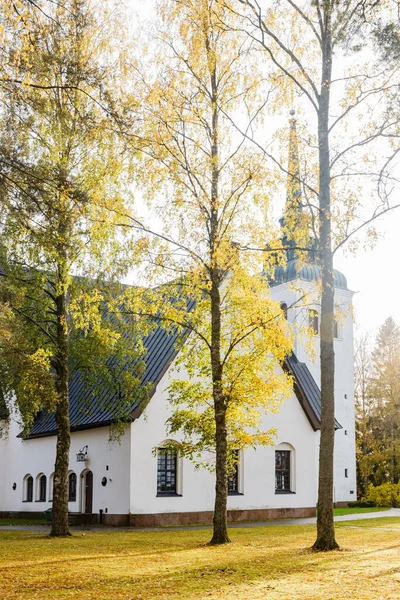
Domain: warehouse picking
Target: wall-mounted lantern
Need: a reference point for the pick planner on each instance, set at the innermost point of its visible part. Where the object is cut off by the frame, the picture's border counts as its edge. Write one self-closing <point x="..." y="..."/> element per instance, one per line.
<point x="82" y="455"/>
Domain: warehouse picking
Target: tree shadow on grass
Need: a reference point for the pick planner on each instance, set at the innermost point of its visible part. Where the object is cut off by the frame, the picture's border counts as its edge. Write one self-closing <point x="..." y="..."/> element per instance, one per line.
<point x="184" y="566"/>
<point x="123" y="552"/>
<point x="217" y="571"/>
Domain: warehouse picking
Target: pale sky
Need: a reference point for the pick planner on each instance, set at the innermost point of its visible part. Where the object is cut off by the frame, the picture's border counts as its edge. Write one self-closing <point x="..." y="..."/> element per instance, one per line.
<point x="373" y="274"/>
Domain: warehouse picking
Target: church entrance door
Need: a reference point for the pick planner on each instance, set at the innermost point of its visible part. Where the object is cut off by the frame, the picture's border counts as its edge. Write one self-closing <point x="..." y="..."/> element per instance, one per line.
<point x="89" y="492"/>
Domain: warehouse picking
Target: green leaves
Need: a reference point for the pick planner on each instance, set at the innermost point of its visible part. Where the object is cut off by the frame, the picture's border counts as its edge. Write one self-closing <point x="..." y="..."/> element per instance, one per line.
<point x="64" y="187"/>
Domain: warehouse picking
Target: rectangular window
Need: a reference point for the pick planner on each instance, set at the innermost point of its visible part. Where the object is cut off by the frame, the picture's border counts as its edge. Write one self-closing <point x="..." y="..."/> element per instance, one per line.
<point x="346" y="473"/>
<point x="166" y="471"/>
<point x="313" y="320"/>
<point x="335" y="329"/>
<point x="282" y="470"/>
<point x="233" y="479"/>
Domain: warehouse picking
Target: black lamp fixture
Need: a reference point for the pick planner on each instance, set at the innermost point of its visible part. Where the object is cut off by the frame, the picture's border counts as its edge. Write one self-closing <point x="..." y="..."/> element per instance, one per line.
<point x="82" y="455"/>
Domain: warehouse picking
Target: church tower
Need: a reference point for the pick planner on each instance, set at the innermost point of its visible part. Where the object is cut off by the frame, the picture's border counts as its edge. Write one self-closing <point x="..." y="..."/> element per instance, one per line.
<point x="295" y="286"/>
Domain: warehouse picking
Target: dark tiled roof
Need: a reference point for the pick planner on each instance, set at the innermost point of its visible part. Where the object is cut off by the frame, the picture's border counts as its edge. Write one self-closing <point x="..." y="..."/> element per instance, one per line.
<point x="306" y="390"/>
<point x="88" y="410"/>
<point x="309" y="272"/>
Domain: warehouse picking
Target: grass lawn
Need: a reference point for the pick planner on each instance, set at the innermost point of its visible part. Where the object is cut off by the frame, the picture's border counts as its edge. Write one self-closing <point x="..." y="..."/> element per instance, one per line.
<point x="267" y="563"/>
<point x="356" y="510"/>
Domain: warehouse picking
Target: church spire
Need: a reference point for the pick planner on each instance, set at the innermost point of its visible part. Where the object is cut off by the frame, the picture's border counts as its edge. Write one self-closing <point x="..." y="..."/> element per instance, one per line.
<point x="292" y="221"/>
<point x="293" y="190"/>
<point x="293" y="207"/>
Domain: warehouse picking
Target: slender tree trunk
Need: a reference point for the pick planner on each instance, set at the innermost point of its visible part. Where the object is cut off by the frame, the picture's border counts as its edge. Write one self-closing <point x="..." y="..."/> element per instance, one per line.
<point x="364" y="475"/>
<point x="364" y="442"/>
<point x="394" y="462"/>
<point x="220" y="529"/>
<point x="220" y="519"/>
<point x="60" y="525"/>
<point x="325" y="523"/>
<point x="220" y="533"/>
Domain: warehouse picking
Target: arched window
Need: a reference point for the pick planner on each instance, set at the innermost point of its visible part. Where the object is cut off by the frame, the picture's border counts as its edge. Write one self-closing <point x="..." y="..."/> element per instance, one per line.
<point x="284" y="469"/>
<point x="166" y="470"/>
<point x="335" y="328"/>
<point x="235" y="479"/>
<point x="169" y="469"/>
<point x="42" y="488"/>
<point x="284" y="309"/>
<point x="72" y="487"/>
<point x="313" y="320"/>
<point x="28" y="488"/>
<point x="51" y="484"/>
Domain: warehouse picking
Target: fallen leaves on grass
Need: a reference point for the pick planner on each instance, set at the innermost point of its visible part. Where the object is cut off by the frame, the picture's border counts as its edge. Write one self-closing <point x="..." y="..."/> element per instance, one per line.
<point x="267" y="563"/>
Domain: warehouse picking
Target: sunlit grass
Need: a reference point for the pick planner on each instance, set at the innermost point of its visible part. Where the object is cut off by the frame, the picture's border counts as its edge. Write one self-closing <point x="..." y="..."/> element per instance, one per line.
<point x="262" y="563"/>
<point x="357" y="510"/>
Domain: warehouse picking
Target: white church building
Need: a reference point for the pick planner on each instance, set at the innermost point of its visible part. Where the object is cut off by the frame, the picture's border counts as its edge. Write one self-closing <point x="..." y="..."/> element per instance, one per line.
<point x="138" y="482"/>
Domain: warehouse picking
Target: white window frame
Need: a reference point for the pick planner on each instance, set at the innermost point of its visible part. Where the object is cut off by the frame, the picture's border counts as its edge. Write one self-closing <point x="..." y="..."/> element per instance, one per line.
<point x="178" y="473"/>
<point x="288" y="447"/>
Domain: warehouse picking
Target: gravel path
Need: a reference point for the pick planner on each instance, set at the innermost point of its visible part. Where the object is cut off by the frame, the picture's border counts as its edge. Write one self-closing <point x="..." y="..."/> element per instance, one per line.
<point x="391" y="512"/>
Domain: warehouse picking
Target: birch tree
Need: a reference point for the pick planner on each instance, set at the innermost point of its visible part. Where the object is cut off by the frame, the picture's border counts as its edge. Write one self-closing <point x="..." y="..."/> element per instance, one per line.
<point x="364" y="410"/>
<point x="62" y="171"/>
<point x="301" y="42"/>
<point x="215" y="203"/>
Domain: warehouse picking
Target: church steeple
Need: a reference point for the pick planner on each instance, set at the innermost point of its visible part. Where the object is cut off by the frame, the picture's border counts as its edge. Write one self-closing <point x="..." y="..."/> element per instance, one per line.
<point x="293" y="190"/>
<point x="293" y="207"/>
<point x="298" y="241"/>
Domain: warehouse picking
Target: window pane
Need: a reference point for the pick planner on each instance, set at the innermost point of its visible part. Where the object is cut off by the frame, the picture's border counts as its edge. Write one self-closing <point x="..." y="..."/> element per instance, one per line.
<point x="313" y="320"/>
<point x="282" y="470"/>
<point x="29" y="489"/>
<point x="233" y="480"/>
<point x="284" y="309"/>
<point x="72" y="487"/>
<point x="166" y="471"/>
<point x="335" y="329"/>
<point x="42" y="488"/>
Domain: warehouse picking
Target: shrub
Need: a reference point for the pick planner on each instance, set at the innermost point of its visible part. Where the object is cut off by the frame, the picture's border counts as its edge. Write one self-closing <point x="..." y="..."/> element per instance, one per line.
<point x="387" y="494"/>
<point x="362" y="504"/>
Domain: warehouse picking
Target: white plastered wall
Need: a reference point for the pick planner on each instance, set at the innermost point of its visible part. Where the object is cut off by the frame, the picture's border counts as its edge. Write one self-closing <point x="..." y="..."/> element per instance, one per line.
<point x="257" y="471"/>
<point x="132" y="474"/>
<point x="19" y="458"/>
<point x="345" y="454"/>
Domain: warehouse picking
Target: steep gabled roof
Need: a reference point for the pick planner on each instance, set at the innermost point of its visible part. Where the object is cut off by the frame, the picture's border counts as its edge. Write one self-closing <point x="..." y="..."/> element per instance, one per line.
<point x="306" y="390"/>
<point x="88" y="410"/>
